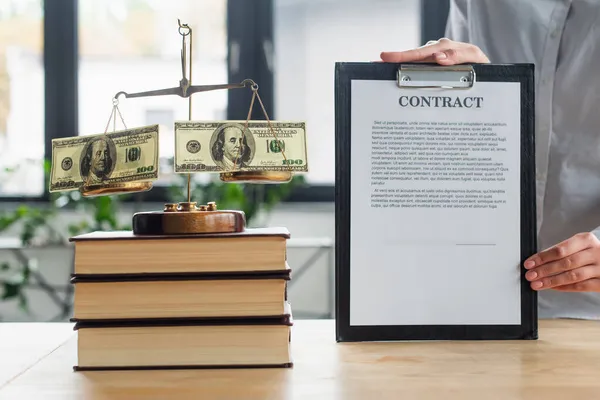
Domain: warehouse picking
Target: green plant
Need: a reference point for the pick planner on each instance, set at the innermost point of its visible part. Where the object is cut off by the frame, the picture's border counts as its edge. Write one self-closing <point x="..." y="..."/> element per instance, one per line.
<point x="37" y="226"/>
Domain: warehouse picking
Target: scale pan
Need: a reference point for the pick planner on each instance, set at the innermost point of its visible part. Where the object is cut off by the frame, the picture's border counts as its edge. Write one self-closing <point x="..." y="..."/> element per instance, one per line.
<point x="114" y="188"/>
<point x="256" y="176"/>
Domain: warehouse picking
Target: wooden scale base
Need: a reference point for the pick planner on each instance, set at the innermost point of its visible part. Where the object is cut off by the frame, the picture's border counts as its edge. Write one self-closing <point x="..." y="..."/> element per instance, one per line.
<point x="188" y="218"/>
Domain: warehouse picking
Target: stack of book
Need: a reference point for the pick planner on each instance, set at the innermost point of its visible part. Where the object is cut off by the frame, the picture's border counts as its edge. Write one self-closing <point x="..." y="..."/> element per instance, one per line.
<point x="160" y="302"/>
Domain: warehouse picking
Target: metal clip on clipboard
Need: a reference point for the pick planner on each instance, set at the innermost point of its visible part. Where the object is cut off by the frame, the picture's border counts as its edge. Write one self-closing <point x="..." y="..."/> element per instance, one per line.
<point x="436" y="76"/>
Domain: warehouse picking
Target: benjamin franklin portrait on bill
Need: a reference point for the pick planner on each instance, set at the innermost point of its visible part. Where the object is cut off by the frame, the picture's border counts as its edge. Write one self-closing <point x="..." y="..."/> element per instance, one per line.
<point x="231" y="148"/>
<point x="98" y="160"/>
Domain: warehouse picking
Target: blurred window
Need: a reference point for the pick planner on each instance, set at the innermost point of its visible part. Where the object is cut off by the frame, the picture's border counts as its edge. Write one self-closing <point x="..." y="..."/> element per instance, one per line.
<point x="134" y="46"/>
<point x="21" y="98"/>
<point x="309" y="37"/>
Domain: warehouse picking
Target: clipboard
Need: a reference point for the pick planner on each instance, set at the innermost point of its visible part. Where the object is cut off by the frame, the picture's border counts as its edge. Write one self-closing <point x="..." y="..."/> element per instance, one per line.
<point x="385" y="288"/>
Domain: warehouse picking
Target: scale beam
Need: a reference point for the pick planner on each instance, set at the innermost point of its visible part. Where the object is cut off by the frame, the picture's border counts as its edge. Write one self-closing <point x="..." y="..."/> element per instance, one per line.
<point x="187" y="91"/>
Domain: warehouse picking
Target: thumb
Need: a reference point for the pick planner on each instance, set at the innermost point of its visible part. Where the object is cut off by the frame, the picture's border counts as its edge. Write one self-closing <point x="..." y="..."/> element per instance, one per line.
<point x="460" y="55"/>
<point x="449" y="57"/>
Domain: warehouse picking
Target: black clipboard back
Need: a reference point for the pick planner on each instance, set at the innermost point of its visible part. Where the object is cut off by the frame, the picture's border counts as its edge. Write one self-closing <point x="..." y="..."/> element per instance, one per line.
<point x="437" y="77"/>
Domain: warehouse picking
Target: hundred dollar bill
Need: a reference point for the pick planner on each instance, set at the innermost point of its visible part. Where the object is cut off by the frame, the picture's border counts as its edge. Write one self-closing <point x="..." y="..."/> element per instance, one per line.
<point x="122" y="156"/>
<point x="219" y="146"/>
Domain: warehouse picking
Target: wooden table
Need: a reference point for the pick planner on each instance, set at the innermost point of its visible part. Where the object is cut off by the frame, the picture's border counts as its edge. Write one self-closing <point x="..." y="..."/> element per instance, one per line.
<point x="23" y="345"/>
<point x="563" y="364"/>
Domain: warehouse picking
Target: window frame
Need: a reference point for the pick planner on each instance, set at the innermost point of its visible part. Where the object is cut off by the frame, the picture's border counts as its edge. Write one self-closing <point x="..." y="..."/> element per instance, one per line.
<point x="249" y="30"/>
<point x="434" y="15"/>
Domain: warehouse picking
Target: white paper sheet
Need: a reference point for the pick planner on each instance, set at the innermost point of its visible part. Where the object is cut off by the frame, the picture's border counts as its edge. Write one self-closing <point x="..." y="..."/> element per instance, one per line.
<point x="435" y="205"/>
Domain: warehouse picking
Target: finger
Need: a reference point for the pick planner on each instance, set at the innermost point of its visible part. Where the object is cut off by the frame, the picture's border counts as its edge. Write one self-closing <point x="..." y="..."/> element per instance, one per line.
<point x="400" y="57"/>
<point x="576" y="243"/>
<point x="418" y="54"/>
<point x="579" y="259"/>
<point x="590" y="285"/>
<point x="413" y="55"/>
<point x="567" y="278"/>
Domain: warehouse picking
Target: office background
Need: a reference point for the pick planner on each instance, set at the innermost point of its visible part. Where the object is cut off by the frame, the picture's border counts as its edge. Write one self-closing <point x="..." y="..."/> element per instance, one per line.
<point x="62" y="61"/>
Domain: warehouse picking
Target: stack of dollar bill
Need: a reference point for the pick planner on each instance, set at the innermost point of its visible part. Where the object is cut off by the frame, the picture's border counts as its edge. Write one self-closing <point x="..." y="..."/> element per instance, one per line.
<point x="116" y="157"/>
<point x="132" y="155"/>
<point x="222" y="146"/>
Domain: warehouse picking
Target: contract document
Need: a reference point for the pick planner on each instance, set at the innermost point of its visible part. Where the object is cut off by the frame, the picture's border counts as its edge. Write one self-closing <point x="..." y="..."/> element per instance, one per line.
<point x="436" y="201"/>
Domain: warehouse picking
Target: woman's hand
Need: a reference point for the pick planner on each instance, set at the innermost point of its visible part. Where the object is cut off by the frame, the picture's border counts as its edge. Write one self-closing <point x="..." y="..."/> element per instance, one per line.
<point x="443" y="51"/>
<point x="570" y="266"/>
